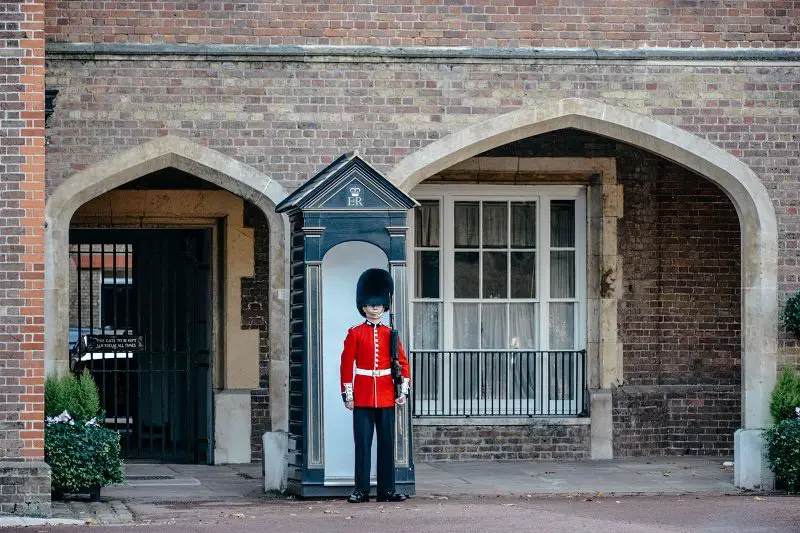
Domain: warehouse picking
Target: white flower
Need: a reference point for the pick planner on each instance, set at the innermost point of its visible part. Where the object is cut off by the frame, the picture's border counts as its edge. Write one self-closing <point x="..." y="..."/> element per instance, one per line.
<point x="797" y="411"/>
<point x="92" y="422"/>
<point x="63" y="417"/>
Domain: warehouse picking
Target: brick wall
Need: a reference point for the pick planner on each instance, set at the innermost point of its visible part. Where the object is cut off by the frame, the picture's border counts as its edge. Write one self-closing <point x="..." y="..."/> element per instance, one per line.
<point x="89" y="311"/>
<point x="676" y="420"/>
<point x="22" y="235"/>
<point x="507" y="23"/>
<point x="680" y="318"/>
<point x="287" y="119"/>
<point x="522" y="442"/>
<point x="255" y="315"/>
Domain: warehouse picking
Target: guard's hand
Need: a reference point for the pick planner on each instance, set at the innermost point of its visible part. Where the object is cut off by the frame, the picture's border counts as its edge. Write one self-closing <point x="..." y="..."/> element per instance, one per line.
<point x="349" y="405"/>
<point x="401" y="400"/>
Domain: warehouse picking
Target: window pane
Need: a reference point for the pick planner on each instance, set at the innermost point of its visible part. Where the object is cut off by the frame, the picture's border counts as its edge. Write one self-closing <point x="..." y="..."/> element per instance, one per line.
<point x="523" y="274"/>
<point x="466" y="329"/>
<point x="522" y="318"/>
<point x="495" y="225"/>
<point x="427" y="332"/>
<point x="493" y="326"/>
<point x="562" y="326"/>
<point x="427" y="275"/>
<point x="495" y="275"/>
<point x="426" y="224"/>
<point x="523" y="224"/>
<point x="562" y="274"/>
<point x="466" y="275"/>
<point x="466" y="224"/>
<point x="562" y="223"/>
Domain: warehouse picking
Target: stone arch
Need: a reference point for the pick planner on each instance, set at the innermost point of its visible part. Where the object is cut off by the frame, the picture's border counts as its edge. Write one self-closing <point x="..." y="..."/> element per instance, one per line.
<point x="205" y="163"/>
<point x="747" y="193"/>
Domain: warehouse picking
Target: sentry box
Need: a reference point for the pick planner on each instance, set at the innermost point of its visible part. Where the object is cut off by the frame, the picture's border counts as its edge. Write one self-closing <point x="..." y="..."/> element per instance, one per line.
<point x="346" y="219"/>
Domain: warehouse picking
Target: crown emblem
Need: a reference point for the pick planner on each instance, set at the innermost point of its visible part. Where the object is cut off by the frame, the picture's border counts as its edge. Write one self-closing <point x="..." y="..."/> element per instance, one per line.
<point x="355" y="191"/>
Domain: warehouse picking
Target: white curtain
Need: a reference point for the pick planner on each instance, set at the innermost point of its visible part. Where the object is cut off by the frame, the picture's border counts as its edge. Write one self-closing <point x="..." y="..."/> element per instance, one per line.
<point x="466" y="224"/>
<point x="426" y="226"/>
<point x="495" y="224"/>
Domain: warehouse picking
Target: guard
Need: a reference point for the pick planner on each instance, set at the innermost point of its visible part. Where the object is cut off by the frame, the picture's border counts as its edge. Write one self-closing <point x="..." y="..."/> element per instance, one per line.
<point x="369" y="388"/>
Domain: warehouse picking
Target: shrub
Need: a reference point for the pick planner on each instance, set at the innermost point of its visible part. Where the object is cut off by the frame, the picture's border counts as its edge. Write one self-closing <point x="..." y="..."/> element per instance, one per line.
<point x="82" y="456"/>
<point x="76" y="395"/>
<point x="783" y="452"/>
<point x="785" y="395"/>
<point x="81" y="453"/>
<point x="790" y="315"/>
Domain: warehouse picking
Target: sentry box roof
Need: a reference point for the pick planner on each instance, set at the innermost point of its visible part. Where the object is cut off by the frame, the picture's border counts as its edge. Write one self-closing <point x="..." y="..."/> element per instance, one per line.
<point x="347" y="184"/>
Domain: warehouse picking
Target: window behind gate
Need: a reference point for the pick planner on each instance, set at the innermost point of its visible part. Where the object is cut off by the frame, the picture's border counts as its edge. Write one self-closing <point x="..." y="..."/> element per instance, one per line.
<point x="499" y="301"/>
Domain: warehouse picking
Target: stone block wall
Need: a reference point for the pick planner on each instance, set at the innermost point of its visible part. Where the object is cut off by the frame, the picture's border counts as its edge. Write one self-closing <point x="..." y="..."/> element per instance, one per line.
<point x="25" y="488"/>
<point x="508" y="23"/>
<point x="501" y="442"/>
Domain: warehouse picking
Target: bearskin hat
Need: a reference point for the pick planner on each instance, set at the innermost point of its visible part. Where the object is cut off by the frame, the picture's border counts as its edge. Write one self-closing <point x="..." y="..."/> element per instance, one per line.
<point x="375" y="287"/>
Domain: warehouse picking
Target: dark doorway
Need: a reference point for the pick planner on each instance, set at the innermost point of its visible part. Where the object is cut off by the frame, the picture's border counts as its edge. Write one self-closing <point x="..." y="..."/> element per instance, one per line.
<point x="140" y="321"/>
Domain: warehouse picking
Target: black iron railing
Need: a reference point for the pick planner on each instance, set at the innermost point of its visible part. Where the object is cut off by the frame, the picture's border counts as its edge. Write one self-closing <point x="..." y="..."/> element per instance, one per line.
<point x="477" y="383"/>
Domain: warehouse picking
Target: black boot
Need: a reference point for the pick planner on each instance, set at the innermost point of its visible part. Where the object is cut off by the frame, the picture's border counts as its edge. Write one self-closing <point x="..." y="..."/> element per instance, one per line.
<point x="392" y="497"/>
<point x="358" y="496"/>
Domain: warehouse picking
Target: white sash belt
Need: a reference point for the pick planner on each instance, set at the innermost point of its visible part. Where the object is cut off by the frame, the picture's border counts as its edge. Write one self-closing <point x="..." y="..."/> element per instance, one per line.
<point x="373" y="373"/>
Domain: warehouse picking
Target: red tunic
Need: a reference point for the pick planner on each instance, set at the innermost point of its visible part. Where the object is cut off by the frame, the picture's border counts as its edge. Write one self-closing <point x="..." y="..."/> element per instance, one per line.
<point x="367" y="348"/>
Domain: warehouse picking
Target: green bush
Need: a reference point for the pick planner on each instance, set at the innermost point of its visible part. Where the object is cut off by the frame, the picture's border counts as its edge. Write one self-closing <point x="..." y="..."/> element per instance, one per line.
<point x="783" y="452"/>
<point x="76" y="395"/>
<point x="790" y="315"/>
<point x="785" y="395"/>
<point x="81" y="453"/>
<point x="82" y="456"/>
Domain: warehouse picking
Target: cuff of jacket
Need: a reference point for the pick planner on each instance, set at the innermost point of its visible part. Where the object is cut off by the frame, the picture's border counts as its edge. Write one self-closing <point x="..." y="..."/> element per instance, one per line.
<point x="347" y="395"/>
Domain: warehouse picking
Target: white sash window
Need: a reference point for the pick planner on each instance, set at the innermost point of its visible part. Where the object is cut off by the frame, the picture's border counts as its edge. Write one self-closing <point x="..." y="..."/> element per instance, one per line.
<point x="499" y="274"/>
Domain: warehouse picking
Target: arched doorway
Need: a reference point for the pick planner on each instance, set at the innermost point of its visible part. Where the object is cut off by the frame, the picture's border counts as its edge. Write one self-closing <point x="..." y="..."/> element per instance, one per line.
<point x="746" y="192"/>
<point x="233" y="186"/>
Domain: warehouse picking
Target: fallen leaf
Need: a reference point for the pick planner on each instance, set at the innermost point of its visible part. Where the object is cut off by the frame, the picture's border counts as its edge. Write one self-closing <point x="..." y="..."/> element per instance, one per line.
<point x="238" y="515"/>
<point x="758" y="498"/>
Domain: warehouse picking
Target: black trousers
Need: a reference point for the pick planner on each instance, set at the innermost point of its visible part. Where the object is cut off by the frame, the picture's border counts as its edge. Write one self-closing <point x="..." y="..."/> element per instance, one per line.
<point x="366" y="421"/>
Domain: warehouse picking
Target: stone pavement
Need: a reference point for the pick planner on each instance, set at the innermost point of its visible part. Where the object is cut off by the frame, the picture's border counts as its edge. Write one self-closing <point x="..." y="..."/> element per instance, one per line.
<point x="150" y="488"/>
<point x="652" y="476"/>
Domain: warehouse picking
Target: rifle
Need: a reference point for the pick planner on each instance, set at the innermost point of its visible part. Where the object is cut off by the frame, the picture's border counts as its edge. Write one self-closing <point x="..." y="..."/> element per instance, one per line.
<point x="394" y="350"/>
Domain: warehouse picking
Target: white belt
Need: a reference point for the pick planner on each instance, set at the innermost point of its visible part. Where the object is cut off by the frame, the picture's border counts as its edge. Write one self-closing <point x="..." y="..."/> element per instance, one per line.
<point x="373" y="373"/>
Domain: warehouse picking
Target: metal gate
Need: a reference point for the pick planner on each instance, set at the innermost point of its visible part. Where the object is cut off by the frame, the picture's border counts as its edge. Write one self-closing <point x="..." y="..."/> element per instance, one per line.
<point x="140" y="321"/>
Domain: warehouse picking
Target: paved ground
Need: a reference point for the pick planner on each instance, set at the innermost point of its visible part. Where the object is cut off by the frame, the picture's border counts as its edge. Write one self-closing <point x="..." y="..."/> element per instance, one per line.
<point x="156" y="491"/>
<point x="556" y="514"/>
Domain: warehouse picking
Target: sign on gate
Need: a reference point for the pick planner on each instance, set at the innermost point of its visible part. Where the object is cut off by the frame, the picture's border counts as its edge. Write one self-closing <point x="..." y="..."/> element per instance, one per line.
<point x="110" y="343"/>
